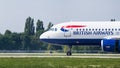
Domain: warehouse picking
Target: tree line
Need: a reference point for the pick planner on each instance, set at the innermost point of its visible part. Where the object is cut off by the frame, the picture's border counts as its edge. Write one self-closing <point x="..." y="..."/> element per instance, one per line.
<point x="27" y="40"/>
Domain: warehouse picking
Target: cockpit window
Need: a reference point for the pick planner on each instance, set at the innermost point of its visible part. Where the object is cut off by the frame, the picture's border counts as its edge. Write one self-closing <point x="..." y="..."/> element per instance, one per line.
<point x="53" y="29"/>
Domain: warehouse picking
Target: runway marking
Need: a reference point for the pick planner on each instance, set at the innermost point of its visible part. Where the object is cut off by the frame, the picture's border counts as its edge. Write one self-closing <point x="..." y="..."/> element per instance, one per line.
<point x="56" y="55"/>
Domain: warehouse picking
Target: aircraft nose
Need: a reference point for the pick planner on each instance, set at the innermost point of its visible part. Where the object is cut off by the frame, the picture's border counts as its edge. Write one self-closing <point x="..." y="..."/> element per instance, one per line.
<point x="44" y="36"/>
<point x="41" y="36"/>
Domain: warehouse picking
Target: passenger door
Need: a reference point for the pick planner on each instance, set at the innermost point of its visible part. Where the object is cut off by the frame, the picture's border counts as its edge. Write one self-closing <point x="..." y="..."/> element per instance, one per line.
<point x="68" y="33"/>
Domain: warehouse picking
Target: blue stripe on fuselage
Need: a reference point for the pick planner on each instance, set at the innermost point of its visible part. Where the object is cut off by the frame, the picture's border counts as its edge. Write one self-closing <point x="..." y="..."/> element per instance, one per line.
<point x="74" y="41"/>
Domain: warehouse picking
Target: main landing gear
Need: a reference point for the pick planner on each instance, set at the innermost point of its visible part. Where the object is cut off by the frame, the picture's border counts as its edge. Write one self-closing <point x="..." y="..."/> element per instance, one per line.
<point x="69" y="53"/>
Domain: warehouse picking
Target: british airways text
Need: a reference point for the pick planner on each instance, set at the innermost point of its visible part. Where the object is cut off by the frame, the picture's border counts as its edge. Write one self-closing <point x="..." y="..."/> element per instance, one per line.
<point x="93" y="33"/>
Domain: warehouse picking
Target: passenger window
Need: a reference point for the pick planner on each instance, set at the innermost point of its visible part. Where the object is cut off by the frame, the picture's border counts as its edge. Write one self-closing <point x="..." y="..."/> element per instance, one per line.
<point x="112" y="29"/>
<point x="76" y="29"/>
<point x="55" y="29"/>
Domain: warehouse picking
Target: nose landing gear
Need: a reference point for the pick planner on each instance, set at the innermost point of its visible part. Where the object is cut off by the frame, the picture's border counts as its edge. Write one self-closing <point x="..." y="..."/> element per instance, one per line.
<point x="69" y="53"/>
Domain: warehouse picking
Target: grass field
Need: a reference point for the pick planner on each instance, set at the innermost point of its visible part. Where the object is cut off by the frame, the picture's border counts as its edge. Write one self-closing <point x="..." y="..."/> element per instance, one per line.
<point x="59" y="63"/>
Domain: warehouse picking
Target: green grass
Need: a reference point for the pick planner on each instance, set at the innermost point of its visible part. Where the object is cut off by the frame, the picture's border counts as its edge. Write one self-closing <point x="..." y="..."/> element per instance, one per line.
<point x="59" y="63"/>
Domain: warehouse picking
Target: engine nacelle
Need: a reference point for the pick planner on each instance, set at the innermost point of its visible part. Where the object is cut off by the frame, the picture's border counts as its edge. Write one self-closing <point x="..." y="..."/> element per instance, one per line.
<point x="110" y="45"/>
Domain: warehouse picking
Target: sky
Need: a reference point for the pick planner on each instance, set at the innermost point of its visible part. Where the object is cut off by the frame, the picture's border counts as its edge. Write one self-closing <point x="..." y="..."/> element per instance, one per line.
<point x="13" y="13"/>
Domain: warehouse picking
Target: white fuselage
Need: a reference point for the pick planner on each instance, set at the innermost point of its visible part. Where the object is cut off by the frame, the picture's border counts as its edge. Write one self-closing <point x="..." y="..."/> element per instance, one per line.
<point x="82" y="31"/>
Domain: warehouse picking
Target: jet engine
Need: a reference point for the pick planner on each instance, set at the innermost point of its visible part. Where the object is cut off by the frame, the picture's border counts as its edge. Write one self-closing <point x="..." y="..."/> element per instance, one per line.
<point x="110" y="45"/>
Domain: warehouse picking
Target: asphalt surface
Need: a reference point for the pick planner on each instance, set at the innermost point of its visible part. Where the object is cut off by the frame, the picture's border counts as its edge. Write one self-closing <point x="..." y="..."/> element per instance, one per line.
<point x="59" y="55"/>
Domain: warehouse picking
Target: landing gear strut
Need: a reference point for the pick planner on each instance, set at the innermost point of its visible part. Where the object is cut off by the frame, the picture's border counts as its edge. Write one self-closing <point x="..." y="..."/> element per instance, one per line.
<point x="69" y="53"/>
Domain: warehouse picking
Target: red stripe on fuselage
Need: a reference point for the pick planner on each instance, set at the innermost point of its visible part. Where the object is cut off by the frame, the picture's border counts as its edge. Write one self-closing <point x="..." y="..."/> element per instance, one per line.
<point x="74" y="26"/>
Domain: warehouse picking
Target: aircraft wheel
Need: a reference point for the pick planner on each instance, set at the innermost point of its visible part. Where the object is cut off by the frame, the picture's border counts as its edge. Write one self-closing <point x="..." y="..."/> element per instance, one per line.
<point x="69" y="53"/>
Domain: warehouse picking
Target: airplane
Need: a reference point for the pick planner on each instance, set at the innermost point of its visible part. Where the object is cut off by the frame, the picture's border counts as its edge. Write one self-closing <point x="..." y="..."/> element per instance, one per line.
<point x="103" y="33"/>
